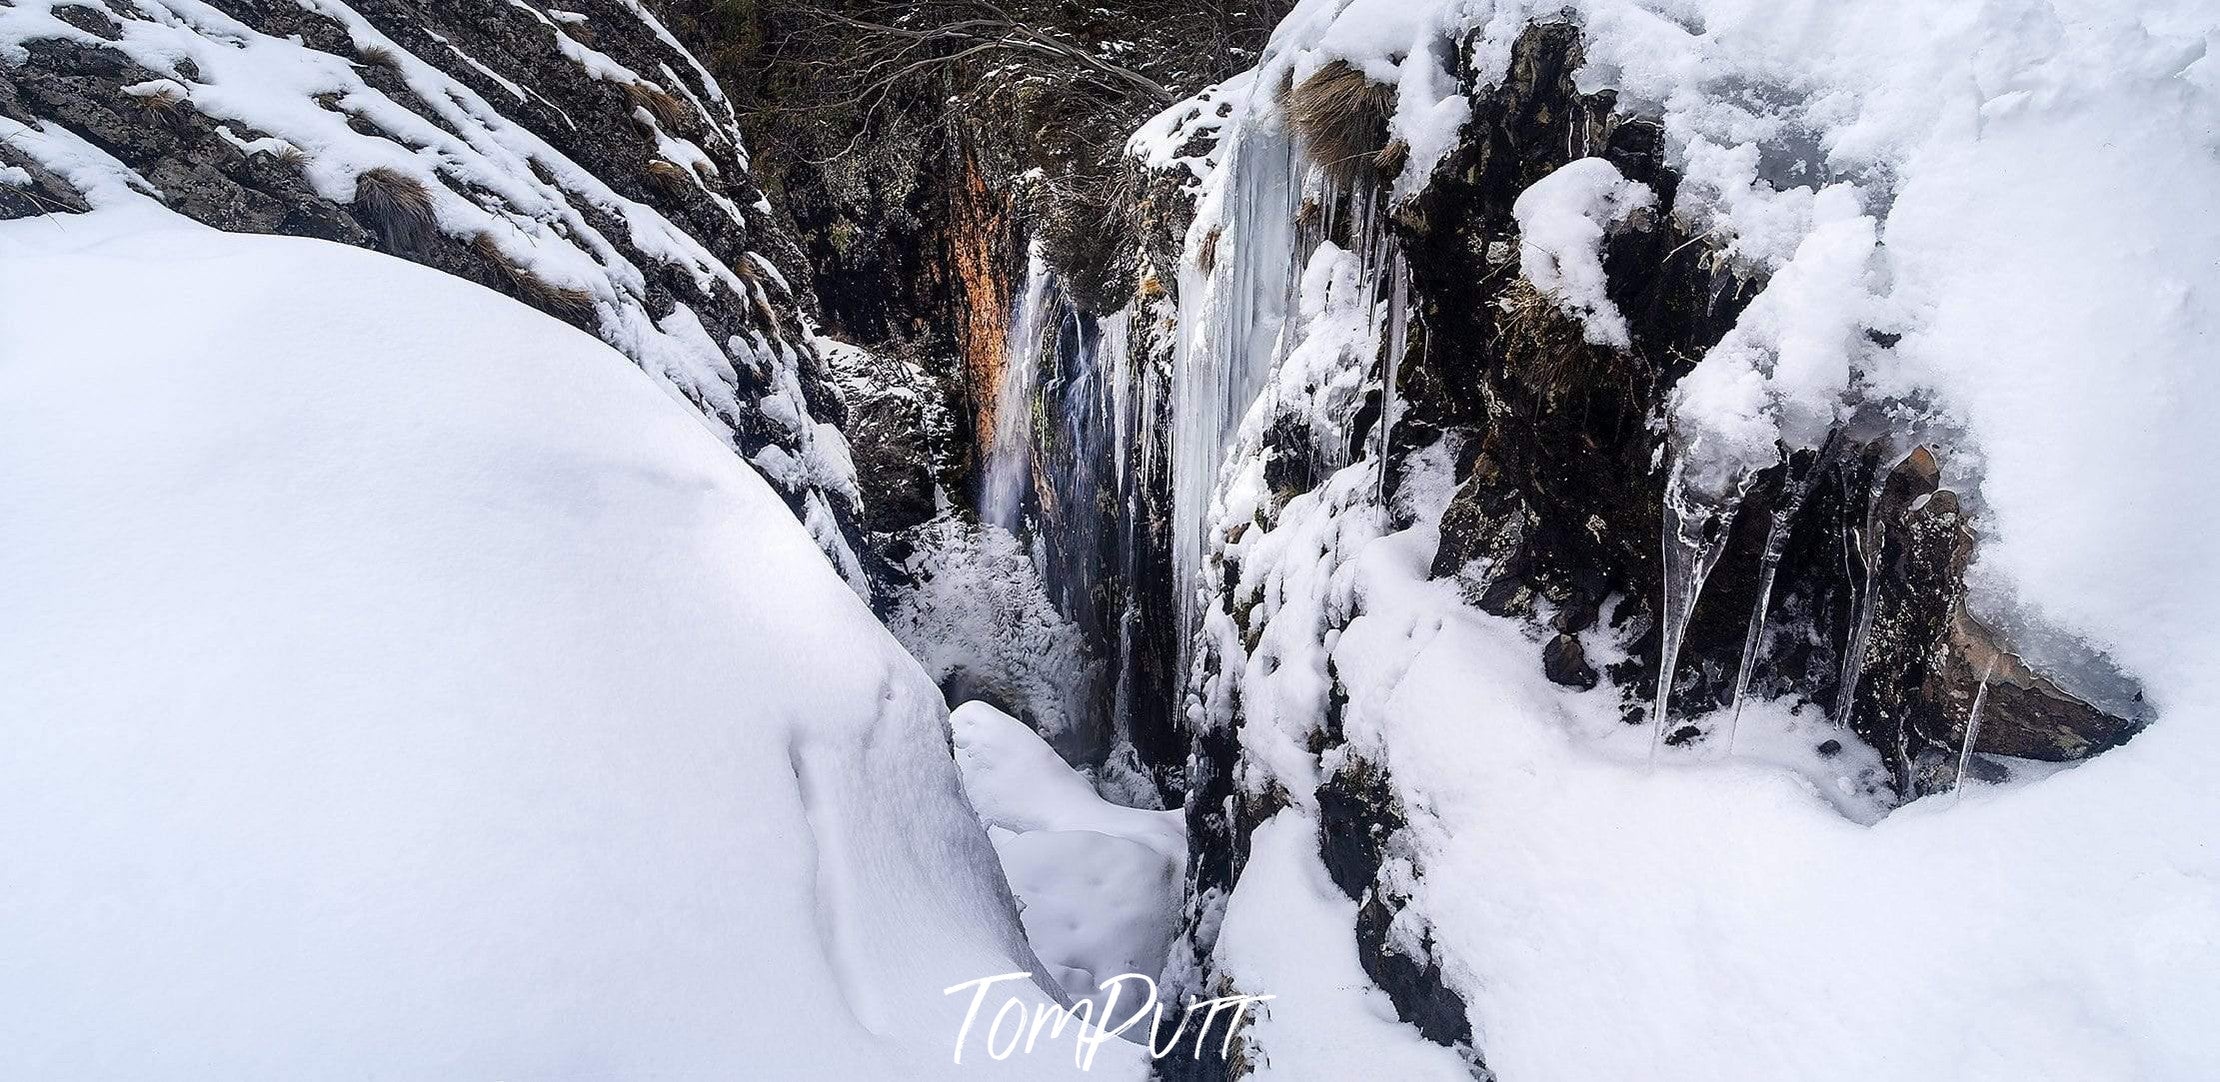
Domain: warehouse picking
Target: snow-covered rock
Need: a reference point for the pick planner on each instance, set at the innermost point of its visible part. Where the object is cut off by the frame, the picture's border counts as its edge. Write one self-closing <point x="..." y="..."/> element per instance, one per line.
<point x="577" y="158"/>
<point x="1932" y="273"/>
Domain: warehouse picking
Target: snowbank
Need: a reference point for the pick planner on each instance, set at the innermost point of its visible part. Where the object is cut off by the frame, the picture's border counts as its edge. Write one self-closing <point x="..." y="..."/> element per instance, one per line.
<point x="1099" y="883"/>
<point x="397" y="682"/>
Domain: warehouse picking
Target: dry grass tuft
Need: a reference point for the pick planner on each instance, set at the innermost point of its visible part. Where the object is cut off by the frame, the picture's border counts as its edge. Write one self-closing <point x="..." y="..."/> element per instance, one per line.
<point x="1392" y="158"/>
<point x="673" y="179"/>
<point x="1150" y="288"/>
<point x="1341" y="115"/>
<point x="567" y="303"/>
<point x="165" y="102"/>
<point x="378" y="55"/>
<point x="756" y="290"/>
<point x="660" y="103"/>
<point x="398" y="205"/>
<point x="290" y="155"/>
<point x="1547" y="350"/>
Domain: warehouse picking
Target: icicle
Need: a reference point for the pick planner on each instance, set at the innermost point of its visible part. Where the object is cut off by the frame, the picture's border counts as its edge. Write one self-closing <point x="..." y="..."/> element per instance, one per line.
<point x="1866" y="543"/>
<point x="1008" y="470"/>
<point x="1230" y="325"/>
<point x="1973" y="730"/>
<point x="1794" y="490"/>
<point x="1695" y="535"/>
<point x="1398" y="338"/>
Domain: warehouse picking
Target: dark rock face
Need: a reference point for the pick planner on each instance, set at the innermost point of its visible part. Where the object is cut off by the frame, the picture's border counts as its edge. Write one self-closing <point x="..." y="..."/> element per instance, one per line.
<point x="1413" y="984"/>
<point x="563" y="82"/>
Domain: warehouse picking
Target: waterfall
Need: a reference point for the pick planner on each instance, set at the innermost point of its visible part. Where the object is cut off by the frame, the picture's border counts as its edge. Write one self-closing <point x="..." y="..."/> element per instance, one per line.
<point x="1006" y="474"/>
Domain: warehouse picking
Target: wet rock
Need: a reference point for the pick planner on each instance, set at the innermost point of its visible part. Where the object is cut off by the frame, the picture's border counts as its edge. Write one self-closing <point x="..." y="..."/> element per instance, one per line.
<point x="1565" y="662"/>
<point x="2025" y="714"/>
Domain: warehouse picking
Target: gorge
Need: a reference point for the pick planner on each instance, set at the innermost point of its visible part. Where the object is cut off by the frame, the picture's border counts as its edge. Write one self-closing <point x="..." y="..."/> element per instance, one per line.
<point x="1597" y="541"/>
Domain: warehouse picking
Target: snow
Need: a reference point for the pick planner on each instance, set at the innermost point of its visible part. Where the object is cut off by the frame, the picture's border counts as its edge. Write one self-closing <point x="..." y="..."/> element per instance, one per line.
<point x="1099" y="884"/>
<point x="1723" y="919"/>
<point x="1288" y="932"/>
<point x="401" y="683"/>
<point x="1563" y="219"/>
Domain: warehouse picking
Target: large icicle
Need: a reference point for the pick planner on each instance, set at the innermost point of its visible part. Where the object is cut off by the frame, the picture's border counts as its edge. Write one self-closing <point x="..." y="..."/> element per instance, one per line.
<point x="1795" y="488"/>
<point x="1232" y="313"/>
<point x="1694" y="535"/>
<point x="1862" y="543"/>
<point x="1398" y="338"/>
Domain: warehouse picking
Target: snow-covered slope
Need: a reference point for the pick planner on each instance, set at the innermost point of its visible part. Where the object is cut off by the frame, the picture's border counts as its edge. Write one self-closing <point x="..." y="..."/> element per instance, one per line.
<point x="574" y="156"/>
<point x="398" y="684"/>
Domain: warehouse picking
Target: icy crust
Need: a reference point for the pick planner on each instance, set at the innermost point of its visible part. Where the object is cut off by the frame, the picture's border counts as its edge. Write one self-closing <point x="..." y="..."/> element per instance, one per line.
<point x="490" y="182"/>
<point x="434" y="698"/>
<point x="1098" y="884"/>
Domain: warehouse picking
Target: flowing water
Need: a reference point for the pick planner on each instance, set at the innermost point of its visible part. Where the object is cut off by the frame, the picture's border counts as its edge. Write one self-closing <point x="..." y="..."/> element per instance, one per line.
<point x="1006" y="477"/>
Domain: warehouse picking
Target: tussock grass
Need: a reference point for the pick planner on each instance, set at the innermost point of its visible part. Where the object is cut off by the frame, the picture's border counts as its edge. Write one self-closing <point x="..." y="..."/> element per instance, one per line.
<point x="1341" y="116"/>
<point x="672" y="178"/>
<point x="567" y="303"/>
<point x="756" y="290"/>
<point x="660" y="103"/>
<point x="1548" y="351"/>
<point x="165" y="102"/>
<point x="398" y="205"/>
<point x="1392" y="158"/>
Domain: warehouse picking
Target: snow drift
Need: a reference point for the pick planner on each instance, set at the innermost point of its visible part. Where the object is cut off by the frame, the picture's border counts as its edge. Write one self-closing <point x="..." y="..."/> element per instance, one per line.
<point x="398" y="683"/>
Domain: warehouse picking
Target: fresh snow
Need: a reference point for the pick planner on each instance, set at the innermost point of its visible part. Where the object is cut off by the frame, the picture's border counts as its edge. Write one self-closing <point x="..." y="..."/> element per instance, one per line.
<point x="490" y="179"/>
<point x="402" y="684"/>
<point x="1099" y="884"/>
<point x="1563" y="219"/>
